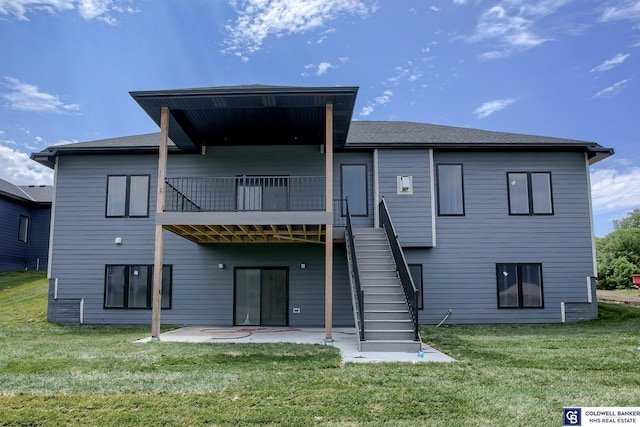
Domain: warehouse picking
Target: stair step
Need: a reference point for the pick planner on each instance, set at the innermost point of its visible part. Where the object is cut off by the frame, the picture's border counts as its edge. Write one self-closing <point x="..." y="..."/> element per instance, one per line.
<point x="375" y="257"/>
<point x="388" y="334"/>
<point x="370" y="290"/>
<point x="393" y="325"/>
<point x="372" y="247"/>
<point x="383" y="263"/>
<point x="368" y="267"/>
<point x="400" y="346"/>
<point x="369" y="230"/>
<point x="397" y="303"/>
<point x="383" y="297"/>
<point x="383" y="315"/>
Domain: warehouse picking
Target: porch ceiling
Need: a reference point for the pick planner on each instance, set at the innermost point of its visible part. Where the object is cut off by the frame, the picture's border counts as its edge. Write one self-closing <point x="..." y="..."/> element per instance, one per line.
<point x="251" y="115"/>
<point x="240" y="233"/>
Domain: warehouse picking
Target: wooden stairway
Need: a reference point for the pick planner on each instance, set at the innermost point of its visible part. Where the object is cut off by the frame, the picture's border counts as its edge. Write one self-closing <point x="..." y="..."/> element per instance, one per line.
<point x="388" y="324"/>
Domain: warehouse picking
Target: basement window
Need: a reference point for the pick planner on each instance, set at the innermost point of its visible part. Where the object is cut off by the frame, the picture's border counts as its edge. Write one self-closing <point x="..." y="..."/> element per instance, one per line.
<point x="131" y="286"/>
<point x="519" y="285"/>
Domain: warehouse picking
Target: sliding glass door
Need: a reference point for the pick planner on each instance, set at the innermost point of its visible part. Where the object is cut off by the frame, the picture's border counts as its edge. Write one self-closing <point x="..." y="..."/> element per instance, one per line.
<point x="261" y="297"/>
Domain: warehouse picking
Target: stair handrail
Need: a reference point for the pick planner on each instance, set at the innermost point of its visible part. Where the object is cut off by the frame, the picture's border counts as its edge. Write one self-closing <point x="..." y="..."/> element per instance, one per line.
<point x="410" y="291"/>
<point x="355" y="272"/>
<point x="178" y="193"/>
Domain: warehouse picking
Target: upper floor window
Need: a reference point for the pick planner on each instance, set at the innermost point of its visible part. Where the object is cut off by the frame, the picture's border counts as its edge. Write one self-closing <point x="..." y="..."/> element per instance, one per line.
<point x="530" y="193"/>
<point x="450" y="189"/>
<point x="23" y="229"/>
<point x="353" y="185"/>
<point x="127" y="196"/>
<point x="519" y="286"/>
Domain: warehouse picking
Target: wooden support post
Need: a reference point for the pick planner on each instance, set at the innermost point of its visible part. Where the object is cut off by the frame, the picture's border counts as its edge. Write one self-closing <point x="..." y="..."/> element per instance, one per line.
<point x="328" y="270"/>
<point x="157" y="256"/>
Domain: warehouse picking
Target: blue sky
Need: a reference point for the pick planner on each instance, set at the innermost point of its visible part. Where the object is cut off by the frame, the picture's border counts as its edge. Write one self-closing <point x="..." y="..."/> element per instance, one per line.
<point x="563" y="68"/>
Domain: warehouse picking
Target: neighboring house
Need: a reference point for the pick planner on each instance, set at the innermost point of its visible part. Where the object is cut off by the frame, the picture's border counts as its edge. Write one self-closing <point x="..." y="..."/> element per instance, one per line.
<point x="492" y="227"/>
<point x="25" y="213"/>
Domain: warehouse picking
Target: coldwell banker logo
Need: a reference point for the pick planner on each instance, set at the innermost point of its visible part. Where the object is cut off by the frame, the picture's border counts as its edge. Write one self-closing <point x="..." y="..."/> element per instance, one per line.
<point x="572" y="417"/>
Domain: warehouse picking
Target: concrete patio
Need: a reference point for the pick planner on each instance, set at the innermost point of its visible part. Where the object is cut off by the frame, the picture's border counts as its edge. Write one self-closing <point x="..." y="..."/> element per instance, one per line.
<point x="344" y="339"/>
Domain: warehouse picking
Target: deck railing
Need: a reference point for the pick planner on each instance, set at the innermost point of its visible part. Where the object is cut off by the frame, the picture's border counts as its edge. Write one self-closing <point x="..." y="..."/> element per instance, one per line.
<point x="245" y="193"/>
<point x="410" y="291"/>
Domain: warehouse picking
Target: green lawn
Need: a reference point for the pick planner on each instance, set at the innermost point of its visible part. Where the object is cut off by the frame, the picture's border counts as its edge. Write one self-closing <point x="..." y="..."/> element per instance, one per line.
<point x="505" y="375"/>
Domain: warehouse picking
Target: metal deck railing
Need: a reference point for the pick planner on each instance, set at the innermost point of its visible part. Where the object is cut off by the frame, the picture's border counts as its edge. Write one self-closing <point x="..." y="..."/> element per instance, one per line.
<point x="245" y="193"/>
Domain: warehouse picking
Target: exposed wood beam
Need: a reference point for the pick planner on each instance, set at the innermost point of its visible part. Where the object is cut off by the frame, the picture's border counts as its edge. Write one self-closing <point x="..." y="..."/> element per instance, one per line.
<point x="247" y="232"/>
<point x="298" y="239"/>
<point x="328" y="257"/>
<point x="156" y="297"/>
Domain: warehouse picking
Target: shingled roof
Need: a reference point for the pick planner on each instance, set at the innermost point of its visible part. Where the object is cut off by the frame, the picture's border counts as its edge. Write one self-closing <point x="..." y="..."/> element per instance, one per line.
<point x="39" y="194"/>
<point x="364" y="135"/>
<point x="410" y="133"/>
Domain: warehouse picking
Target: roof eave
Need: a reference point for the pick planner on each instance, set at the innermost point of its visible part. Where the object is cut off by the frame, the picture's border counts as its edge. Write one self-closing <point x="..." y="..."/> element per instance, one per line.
<point x="47" y="157"/>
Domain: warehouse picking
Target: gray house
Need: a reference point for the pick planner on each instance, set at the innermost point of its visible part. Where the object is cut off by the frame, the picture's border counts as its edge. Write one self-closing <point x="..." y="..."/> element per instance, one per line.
<point x="25" y="212"/>
<point x="269" y="206"/>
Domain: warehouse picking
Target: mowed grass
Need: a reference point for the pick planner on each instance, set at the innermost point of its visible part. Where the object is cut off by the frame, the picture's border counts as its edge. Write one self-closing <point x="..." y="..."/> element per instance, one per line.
<point x="505" y="375"/>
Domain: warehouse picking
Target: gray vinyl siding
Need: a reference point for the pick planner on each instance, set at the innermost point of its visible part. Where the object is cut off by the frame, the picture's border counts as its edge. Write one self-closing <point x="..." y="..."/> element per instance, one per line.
<point x="460" y="272"/>
<point x="13" y="253"/>
<point x="201" y="292"/>
<point x="410" y="213"/>
<point x="17" y="255"/>
<point x="39" y="238"/>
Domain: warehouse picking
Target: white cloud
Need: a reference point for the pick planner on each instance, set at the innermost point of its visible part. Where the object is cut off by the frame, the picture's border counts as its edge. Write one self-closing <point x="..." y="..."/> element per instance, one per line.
<point x="408" y="72"/>
<point x="27" y="97"/>
<point x="17" y="168"/>
<point x="509" y="27"/>
<point x="615" y="189"/>
<point x="490" y="107"/>
<point x="89" y="9"/>
<point x="435" y="9"/>
<point x="610" y="63"/>
<point x="323" y="36"/>
<point x="259" y="19"/>
<point x="324" y="67"/>
<point x="459" y="1"/>
<point x="626" y="9"/>
<point x="612" y="90"/>
<point x="378" y="100"/>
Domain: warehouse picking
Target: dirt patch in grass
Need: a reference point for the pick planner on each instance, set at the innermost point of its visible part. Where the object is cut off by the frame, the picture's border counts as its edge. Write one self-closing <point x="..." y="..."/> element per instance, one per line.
<point x="619" y="297"/>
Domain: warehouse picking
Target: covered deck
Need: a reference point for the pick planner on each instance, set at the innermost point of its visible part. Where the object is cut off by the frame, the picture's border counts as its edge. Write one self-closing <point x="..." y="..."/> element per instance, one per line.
<point x="247" y="209"/>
